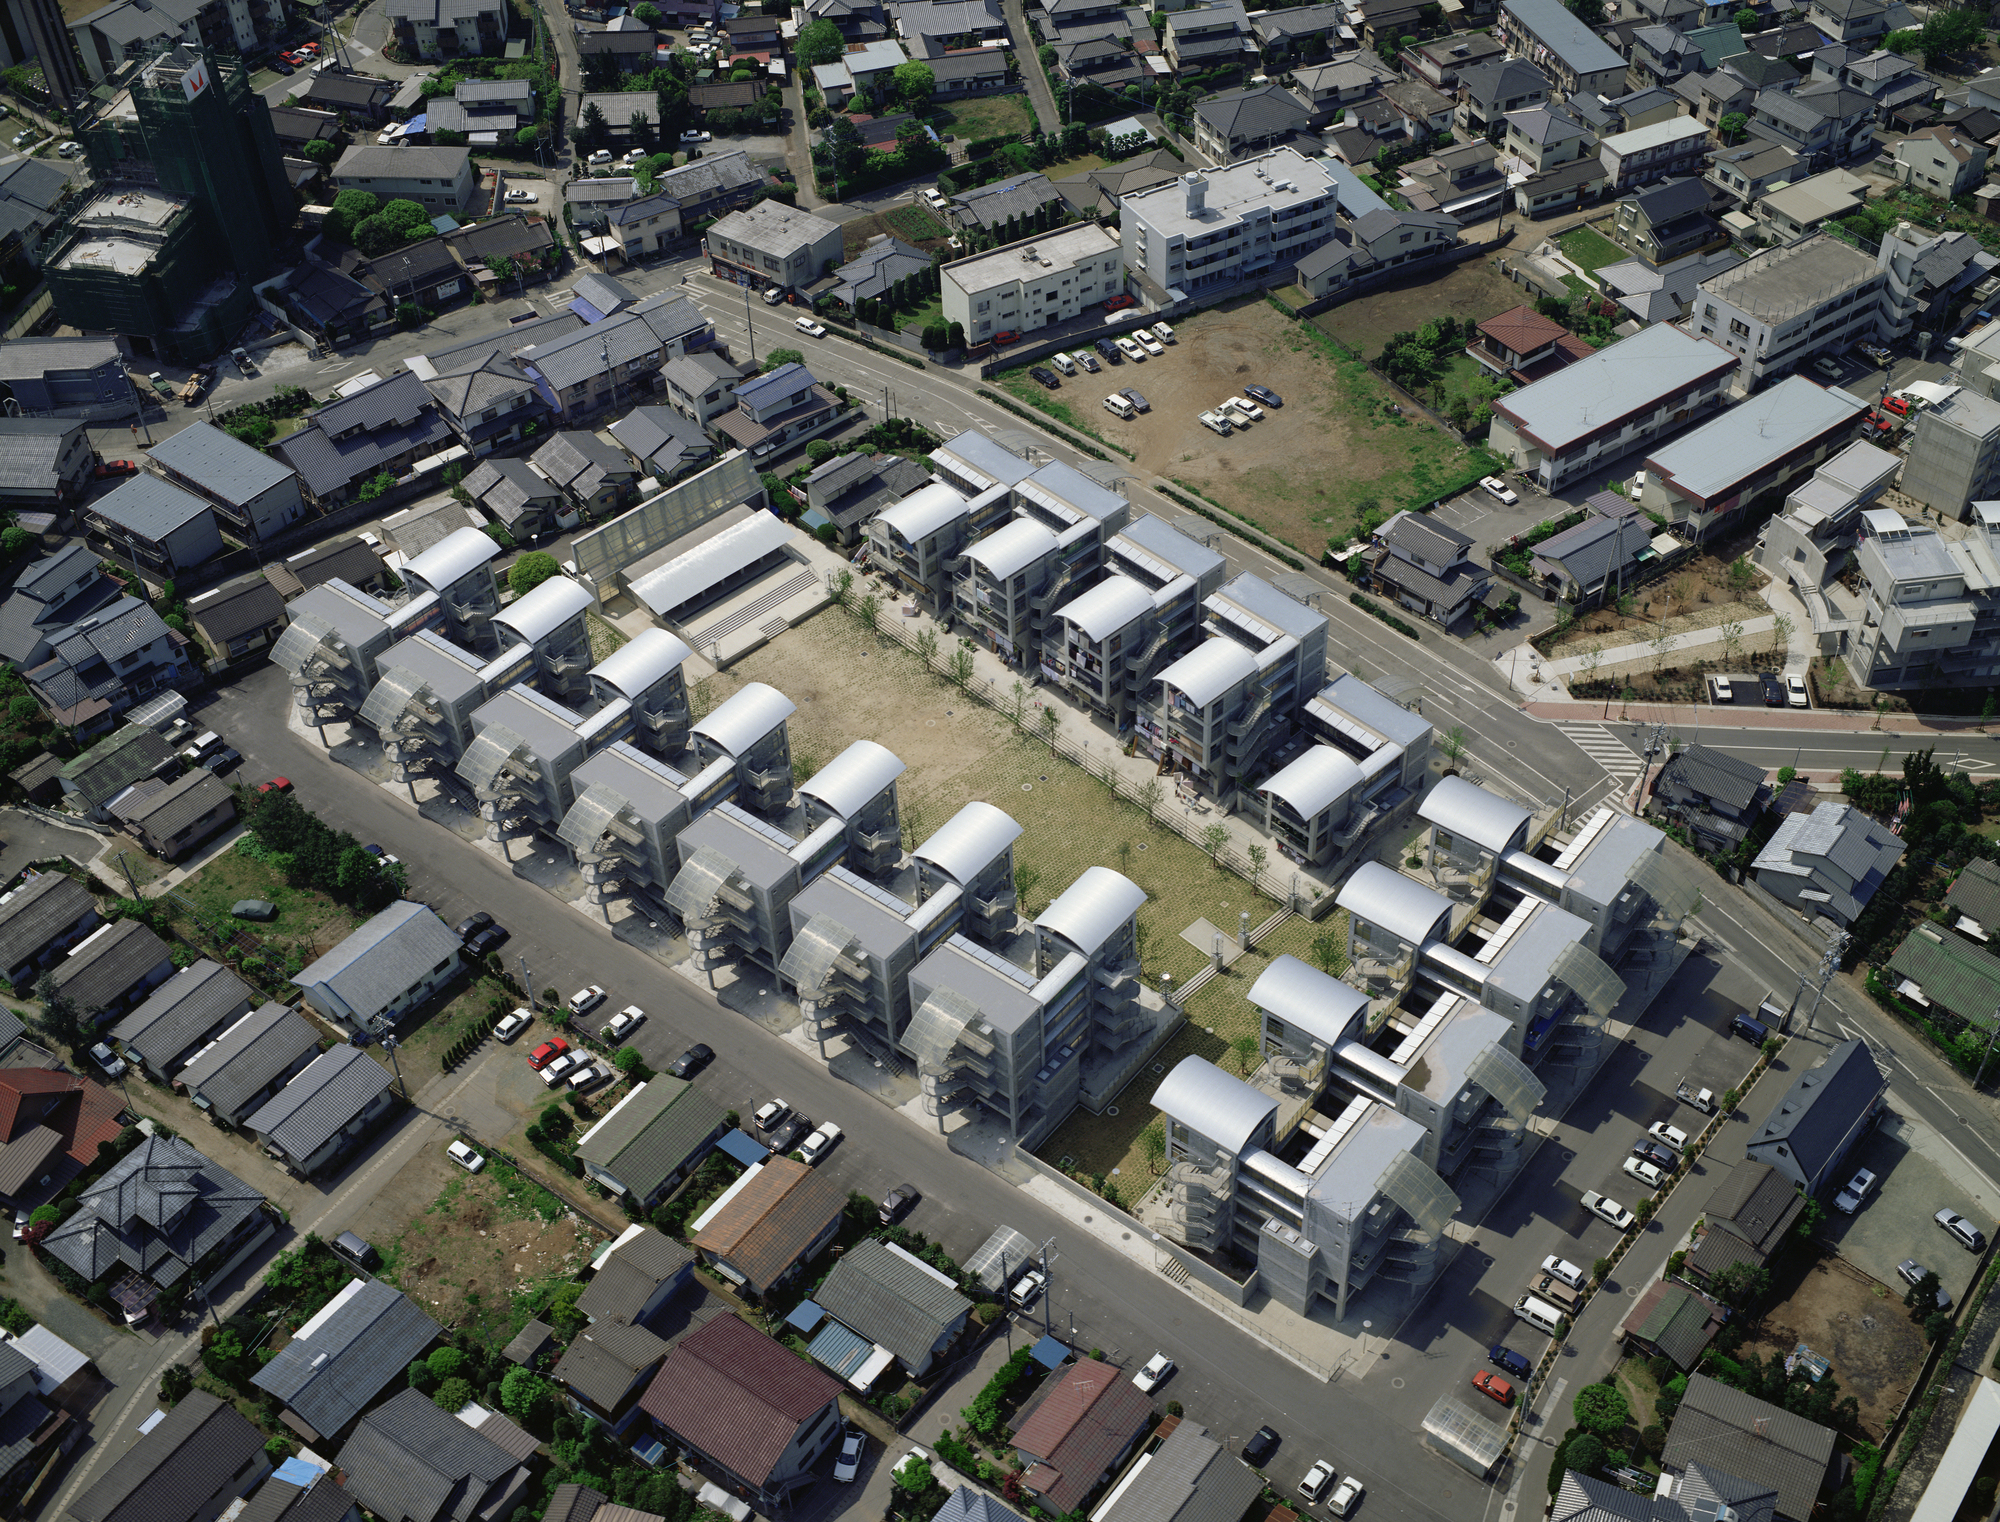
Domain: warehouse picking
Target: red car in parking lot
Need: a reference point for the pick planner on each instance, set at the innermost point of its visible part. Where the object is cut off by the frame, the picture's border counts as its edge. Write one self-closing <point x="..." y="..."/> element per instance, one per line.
<point x="546" y="1053"/>
<point x="1118" y="303"/>
<point x="1486" y="1382"/>
<point x="111" y="468"/>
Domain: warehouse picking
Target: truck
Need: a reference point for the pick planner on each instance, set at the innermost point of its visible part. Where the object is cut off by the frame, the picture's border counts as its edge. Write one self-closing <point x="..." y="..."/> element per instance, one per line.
<point x="161" y="384"/>
<point x="1701" y="1099"/>
<point x="196" y="384"/>
<point x="1774" y="1012"/>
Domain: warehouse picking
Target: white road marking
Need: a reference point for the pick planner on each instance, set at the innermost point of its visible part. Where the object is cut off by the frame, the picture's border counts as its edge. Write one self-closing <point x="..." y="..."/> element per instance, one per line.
<point x="1605" y="748"/>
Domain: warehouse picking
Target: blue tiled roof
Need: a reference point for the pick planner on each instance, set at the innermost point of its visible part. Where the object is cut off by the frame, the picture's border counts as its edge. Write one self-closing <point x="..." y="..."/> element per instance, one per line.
<point x="840" y="1351"/>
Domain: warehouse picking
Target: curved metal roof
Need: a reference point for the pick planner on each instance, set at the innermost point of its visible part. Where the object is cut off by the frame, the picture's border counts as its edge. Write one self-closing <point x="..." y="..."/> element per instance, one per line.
<point x="851" y="780"/>
<point x="1320" y="777"/>
<point x="1302" y="996"/>
<point x="968" y="842"/>
<point x="450" y="558"/>
<point x="1209" y="670"/>
<point x="645" y="659"/>
<point x="1207" y="1100"/>
<point x="546" y="609"/>
<point x="1108" y="607"/>
<point x="1013" y="548"/>
<point x="746" y="718"/>
<point x="1463" y="809"/>
<point x="925" y="511"/>
<point x="1089" y="911"/>
<point x="1398" y="904"/>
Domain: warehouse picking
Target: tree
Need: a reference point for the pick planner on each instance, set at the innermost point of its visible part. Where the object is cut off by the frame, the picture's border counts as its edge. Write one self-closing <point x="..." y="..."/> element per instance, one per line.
<point x="1453" y="745"/>
<point x="1601" y="1409"/>
<point x="820" y="42"/>
<point x="1150" y="796"/>
<point x="1740" y="1284"/>
<point x="60" y="1016"/>
<point x="1947" y="32"/>
<point x="1746" y="20"/>
<point x="1663" y="646"/>
<point x="1921" y="1297"/>
<point x="913" y="1477"/>
<point x="531" y="570"/>
<point x="1258" y="858"/>
<point x="1901" y="43"/>
<point x="175" y="1384"/>
<point x="1213" y="839"/>
<point x="1328" y="952"/>
<point x="320" y="152"/>
<point x="408" y="217"/>
<point x="647" y="12"/>
<point x="1050" y="720"/>
<point x="528" y="1398"/>
<point x="1781" y="632"/>
<point x="1153" y="1143"/>
<point x="1732" y="639"/>
<point x="591" y="128"/>
<point x="1583" y="1453"/>
<point x="1245" y="1048"/>
<point x="1732" y="126"/>
<point x="376" y="235"/>
<point x="455" y="1394"/>
<point x="1592" y="659"/>
<point x="1025" y="878"/>
<point x="349" y="208"/>
<point x="914" y="82"/>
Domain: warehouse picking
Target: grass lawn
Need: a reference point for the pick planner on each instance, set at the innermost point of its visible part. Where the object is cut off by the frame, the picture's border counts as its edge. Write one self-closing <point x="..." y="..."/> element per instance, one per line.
<point x="931" y="311"/>
<point x="1590" y="251"/>
<point x="605" y="636"/>
<point x="308" y="923"/>
<point x="1071" y="167"/>
<point x="990" y="116"/>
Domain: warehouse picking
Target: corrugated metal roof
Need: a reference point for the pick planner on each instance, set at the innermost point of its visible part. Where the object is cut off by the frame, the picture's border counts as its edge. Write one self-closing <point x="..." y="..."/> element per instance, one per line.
<point x="385" y="957"/>
<point x="341" y="1361"/>
<point x="1108" y="607"/>
<point x="1467" y="810"/>
<point x="457" y="555"/>
<point x="1013" y="548"/>
<point x="547" y="608"/>
<point x="248" y="1056"/>
<point x="1092" y="909"/>
<point x="150" y="507"/>
<point x="891" y="1299"/>
<point x="219" y="463"/>
<point x="849" y="782"/>
<point x="182" y="1011"/>
<point x="645" y="659"/>
<point x="1207" y="1100"/>
<point x="925" y="511"/>
<point x="311" y="1110"/>
<point x="691" y="576"/>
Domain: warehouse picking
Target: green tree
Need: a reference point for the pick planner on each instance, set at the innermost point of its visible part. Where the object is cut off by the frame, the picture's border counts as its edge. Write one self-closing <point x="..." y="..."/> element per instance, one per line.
<point x="320" y="152"/>
<point x="60" y="1016"/>
<point x="175" y="1384"/>
<point x="376" y="235"/>
<point x="1601" y="1409"/>
<point x="1732" y="126"/>
<point x="913" y="1476"/>
<point x="820" y="42"/>
<point x="1746" y="21"/>
<point x="447" y="1363"/>
<point x="407" y="217"/>
<point x="591" y="127"/>
<point x="1246" y="1048"/>
<point x="1921" y="1297"/>
<point x="531" y="570"/>
<point x="914" y="82"/>
<point x="1583" y="1453"/>
<point x="1947" y="32"/>
<point x="1901" y="43"/>
<point x="528" y="1398"/>
<point x="647" y="12"/>
<point x="1329" y="952"/>
<point x="453" y="1395"/>
<point x="350" y="207"/>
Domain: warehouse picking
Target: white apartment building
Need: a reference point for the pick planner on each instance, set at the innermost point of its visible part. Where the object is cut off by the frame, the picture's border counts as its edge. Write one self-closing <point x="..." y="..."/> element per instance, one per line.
<point x="1030" y="284"/>
<point x="1954" y="456"/>
<point x="1786" y="305"/>
<point x="1218" y="226"/>
<point x="1933" y="610"/>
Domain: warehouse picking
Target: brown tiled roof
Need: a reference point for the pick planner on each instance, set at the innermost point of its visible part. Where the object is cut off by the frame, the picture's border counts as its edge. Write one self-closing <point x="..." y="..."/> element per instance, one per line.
<point x="1083" y="1419"/>
<point x="1522" y="329"/>
<point x="51" y="1123"/>
<point x="774" y="1218"/>
<point x="735" y="1395"/>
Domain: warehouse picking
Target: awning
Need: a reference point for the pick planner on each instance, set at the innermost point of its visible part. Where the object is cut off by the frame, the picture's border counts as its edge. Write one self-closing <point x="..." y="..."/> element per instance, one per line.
<point x="602" y="247"/>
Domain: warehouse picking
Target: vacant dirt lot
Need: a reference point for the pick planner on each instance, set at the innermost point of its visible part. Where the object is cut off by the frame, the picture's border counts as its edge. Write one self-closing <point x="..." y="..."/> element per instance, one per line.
<point x="1473" y="291"/>
<point x="1303" y="471"/>
<point x="1860" y="1326"/>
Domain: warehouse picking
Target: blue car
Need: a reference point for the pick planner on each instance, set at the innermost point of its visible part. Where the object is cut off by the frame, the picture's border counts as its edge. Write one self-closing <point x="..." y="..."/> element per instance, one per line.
<point x="1506" y="1358"/>
<point x="279" y="66"/>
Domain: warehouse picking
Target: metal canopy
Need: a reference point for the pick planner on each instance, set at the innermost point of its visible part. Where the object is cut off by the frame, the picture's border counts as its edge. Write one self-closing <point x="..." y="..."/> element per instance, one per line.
<point x="390" y="700"/>
<point x="305" y="639"/>
<point x="1423" y="1195"/>
<point x="1583" y="973"/>
<point x="813" y="952"/>
<point x="1006" y="1250"/>
<point x="693" y="891"/>
<point x="591" y="818"/>
<point x="1670" y="882"/>
<point x="485" y="759"/>
<point x="935" y="1028"/>
<point x="1508" y="1079"/>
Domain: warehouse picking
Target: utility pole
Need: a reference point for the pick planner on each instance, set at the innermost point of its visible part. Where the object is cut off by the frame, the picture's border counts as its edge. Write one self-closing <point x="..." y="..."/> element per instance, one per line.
<point x="1829" y="964"/>
<point x="389" y="1045"/>
<point x="749" y="326"/>
<point x="1048" y="1292"/>
<point x="1981" y="1078"/>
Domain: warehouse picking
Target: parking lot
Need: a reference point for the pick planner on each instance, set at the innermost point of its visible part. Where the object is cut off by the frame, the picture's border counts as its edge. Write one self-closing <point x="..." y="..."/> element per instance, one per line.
<point x="1747" y="690"/>
<point x="1895" y="1221"/>
<point x="1490" y="521"/>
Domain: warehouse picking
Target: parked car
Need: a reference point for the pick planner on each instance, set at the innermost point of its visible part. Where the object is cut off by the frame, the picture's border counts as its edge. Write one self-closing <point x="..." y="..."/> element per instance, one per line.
<point x="1561" y="1268"/>
<point x="1138" y="401"/>
<point x="226" y="759"/>
<point x="808" y="327"/>
<point x="471" y="925"/>
<point x="1719" y="690"/>
<point x="1110" y="351"/>
<point x="896" y="1203"/>
<point x="356" y="1250"/>
<point x="1506" y="1358"/>
<point x="1654" y="1153"/>
<point x="695" y="136"/>
<point x="1795" y="692"/>
<point x="770" y="1114"/>
<point x="789" y="1133"/>
<point x="584" y="1000"/>
<point x="1044" y="377"/>
<point x="1346" y="1496"/>
<point x="602" y="156"/>
<point x="547" y="1052"/>
<point x="465" y="1157"/>
<point x="1671" y="1136"/>
<point x="1913" y="1272"/>
<point x="1646" y="1173"/>
<point x="1004" y="337"/>
<point x="1147" y="341"/>
<point x="848" y="1464"/>
<point x="1215" y="422"/>
<point x="1774" y="690"/>
<point x="934" y="198"/>
<point x="691" y="1061"/>
<point x="1750" y="1029"/>
<point x="1063" y="363"/>
<point x="512" y="1024"/>
<point x="622" y="1024"/>
<point x="559" y="1068"/>
<point x="1118" y="303"/>
<point x="1248" y="408"/>
<point x="491" y="939"/>
<point x="1118" y="406"/>
<point x="1499" y="489"/>
<point x="1961" y="1231"/>
<point x="821" y="1142"/>
<point x="1131" y="350"/>
<point x="1489" y="1384"/>
<point x="1827" y="368"/>
<point x="279" y="66"/>
<point x="1265" y="395"/>
<point x="1028" y="1289"/>
<point x="1262" y="1442"/>
<point x="253" y="909"/>
<point x="1154" y="1374"/>
<point x="1236" y="417"/>
<point x="518" y="196"/>
<point x="1317" y="1481"/>
<point x="111" y="469"/>
<point x="1164" y="333"/>
<point x="110" y="1061"/>
<point x="1849" y="1199"/>
<point x="773" y="295"/>
<point x="276" y="785"/>
<point x="587" y="1075"/>
<point x="1607" y="1209"/>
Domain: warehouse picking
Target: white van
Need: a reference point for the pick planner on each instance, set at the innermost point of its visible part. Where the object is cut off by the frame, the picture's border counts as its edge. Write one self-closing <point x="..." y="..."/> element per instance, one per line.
<point x="205" y="745"/>
<point x="1063" y="363"/>
<point x="1119" y="406"/>
<point x="1539" y="1314"/>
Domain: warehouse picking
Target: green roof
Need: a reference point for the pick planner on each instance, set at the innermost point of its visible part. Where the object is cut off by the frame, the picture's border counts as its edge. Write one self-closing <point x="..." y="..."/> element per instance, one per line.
<point x="1954" y="974"/>
<point x="1976" y="894"/>
<point x="116" y="762"/>
<point x="1678" y="1325"/>
<point x="653" y="1134"/>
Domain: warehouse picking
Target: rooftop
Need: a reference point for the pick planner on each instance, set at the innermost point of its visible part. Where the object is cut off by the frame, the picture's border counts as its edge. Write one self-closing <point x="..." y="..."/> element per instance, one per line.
<point x="1759" y="431"/>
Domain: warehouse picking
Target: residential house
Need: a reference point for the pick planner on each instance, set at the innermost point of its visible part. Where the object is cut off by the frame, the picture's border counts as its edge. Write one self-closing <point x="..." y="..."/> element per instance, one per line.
<point x="437" y="179"/>
<point x="1076" y="1430"/>
<point x="1373" y="243"/>
<point x="607" y="364"/>
<point x="847" y="490"/>
<point x="1746" y="1220"/>
<point x="1554" y="40"/>
<point x="1190" y="1477"/>
<point x="780" y="408"/>
<point x="384" y="969"/>
<point x="1788" y="213"/>
<point x="1660" y="56"/>
<point x="773" y="244"/>
<point x="1712" y="794"/>
<point x="311" y="1122"/>
<point x="1523" y="346"/>
<point x="248" y="1062"/>
<point x="361" y="97"/>
<point x="748" y="1406"/>
<point x="1826" y="1111"/>
<point x="1427" y="566"/>
<point x="1421" y="112"/>
<point x="593" y="473"/>
<point x="615" y="53"/>
<point x="1725" y="1429"/>
<point x="1824" y="123"/>
<point x="651" y="1139"/>
<point x="32" y="1433"/>
<point x="522" y="238"/>
<point x="1849" y="21"/>
<point x="112" y="968"/>
<point x="295" y="127"/>
<point x="1013" y="203"/>
<point x="1829" y="862"/>
<point x="68" y="377"/>
<point x="1207" y="36"/>
<point x="240" y="620"/>
<point x="1098" y="192"/>
<point x="516" y="496"/>
<point x="444" y="28"/>
<point x="710" y="186"/>
<point x="1099" y="60"/>
<point x="1940" y="162"/>
<point x="158" y="527"/>
<point x="381" y="429"/>
<point x="1746" y="172"/>
<point x="51" y="1125"/>
<point x="1939" y="972"/>
<point x="408" y="1461"/>
<point x="100" y="662"/>
<point x="162" y="1210"/>
<point x="606" y="1368"/>
<point x="1488" y="91"/>
<point x="1782" y="307"/>
<point x="301" y="1492"/>
<point x="40" y="920"/>
<point x="1540" y="138"/>
<point x="700" y="386"/>
<point x="1670" y="1320"/>
<point x="1443" y="62"/>
<point x="1588" y="564"/>
<point x="1666" y="149"/>
<point x="966" y="71"/>
<point x="1893" y="82"/>
<point x="175" y="817"/>
<point x="1666" y="292"/>
<point x="662" y="443"/>
<point x="34" y="196"/>
<point x="874" y="273"/>
<point x="769" y="1225"/>
<point x="348" y="560"/>
<point x="188" y="1467"/>
<point x="128" y="755"/>
<point x="425" y="274"/>
<point x="189" y="1010"/>
<point x="896" y="1301"/>
<point x="477" y="106"/>
<point x="1667" y="221"/>
<point x="45" y="462"/>
<point x="1973" y="902"/>
<point x="344" y="1356"/>
<point x="1326" y="89"/>
<point x="636" y="1275"/>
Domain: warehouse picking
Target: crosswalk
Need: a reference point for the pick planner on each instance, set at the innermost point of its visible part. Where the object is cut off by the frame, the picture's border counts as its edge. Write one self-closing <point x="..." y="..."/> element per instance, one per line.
<point x="1605" y="748"/>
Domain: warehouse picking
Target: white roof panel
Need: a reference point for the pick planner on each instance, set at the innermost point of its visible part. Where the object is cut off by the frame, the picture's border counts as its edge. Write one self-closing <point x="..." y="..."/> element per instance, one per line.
<point x="925" y="511"/>
<point x="1302" y="996"/>
<point x="1207" y="1100"/>
<point x="686" y="577"/>
<point x="1399" y="904"/>
<point x="746" y="718"/>
<point x="452" y="557"/>
<point x="1209" y="670"/>
<point x="551" y="605"/>
<point x="968" y="841"/>
<point x="1465" y="809"/>
<point x="848" y="782"/>
<point x="1013" y="548"/>
<point x="1108" y="607"/>
<point x="1089" y="911"/>
<point x="638" y="664"/>
<point x="1320" y="777"/>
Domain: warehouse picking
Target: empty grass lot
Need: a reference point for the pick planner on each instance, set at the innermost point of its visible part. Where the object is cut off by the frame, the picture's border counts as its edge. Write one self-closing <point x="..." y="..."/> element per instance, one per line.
<point x="989" y="116"/>
<point x="308" y="923"/>
<point x="1590" y="251"/>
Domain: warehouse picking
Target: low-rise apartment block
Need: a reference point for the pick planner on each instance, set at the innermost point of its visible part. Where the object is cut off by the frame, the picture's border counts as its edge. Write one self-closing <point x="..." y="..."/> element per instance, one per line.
<point x="1220" y="226"/>
<point x="1549" y="36"/>
<point x="773" y="244"/>
<point x="1030" y="284"/>
<point x="1933" y="605"/>
<point x="1784" y="306"/>
<point x="1954" y="458"/>
<point x="437" y="179"/>
<point x="1676" y="146"/>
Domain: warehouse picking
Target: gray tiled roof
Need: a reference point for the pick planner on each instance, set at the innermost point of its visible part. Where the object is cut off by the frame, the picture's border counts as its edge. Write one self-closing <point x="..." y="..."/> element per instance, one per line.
<point x="117" y="957"/>
<point x="1976" y="893"/>
<point x="581" y="356"/>
<point x="1818" y="1115"/>
<point x="383" y="958"/>
<point x="160" y="1206"/>
<point x="228" y="613"/>
<point x="1715" y="774"/>
<point x="629" y="1277"/>
<point x="408" y="1459"/>
<point x="1752" y="1439"/>
<point x="277" y="1501"/>
<point x="1425" y="536"/>
<point x="219" y="463"/>
<point x="150" y="507"/>
<point x="662" y="437"/>
<point x="1192" y="1478"/>
<point x="184" y="1010"/>
<point x="396" y="415"/>
<point x="361" y="1342"/>
<point x="37" y="912"/>
<point x="180" y="804"/>
<point x="653" y="1135"/>
<point x="170" y="1473"/>
<point x="371" y="161"/>
<point x="606" y="1359"/>
<point x="891" y="1301"/>
<point x="249" y="1056"/>
<point x="30" y="450"/>
<point x="310" y="1111"/>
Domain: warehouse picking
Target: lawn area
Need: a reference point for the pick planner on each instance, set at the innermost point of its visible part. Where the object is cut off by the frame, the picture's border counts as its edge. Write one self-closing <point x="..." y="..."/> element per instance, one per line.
<point x="932" y="310"/>
<point x="989" y="116"/>
<point x="426" y="1035"/>
<point x="605" y="636"/>
<point x="1590" y="251"/>
<point x="308" y="922"/>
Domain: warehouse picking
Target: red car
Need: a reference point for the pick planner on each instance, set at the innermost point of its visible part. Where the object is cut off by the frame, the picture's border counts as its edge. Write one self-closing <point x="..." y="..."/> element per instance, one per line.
<point x="1117" y="303"/>
<point x="1896" y="404"/>
<point x="276" y="785"/>
<point x="546" y="1053"/>
<point x="1006" y="336"/>
<point x="112" y="468"/>
<point x="1489" y="1383"/>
